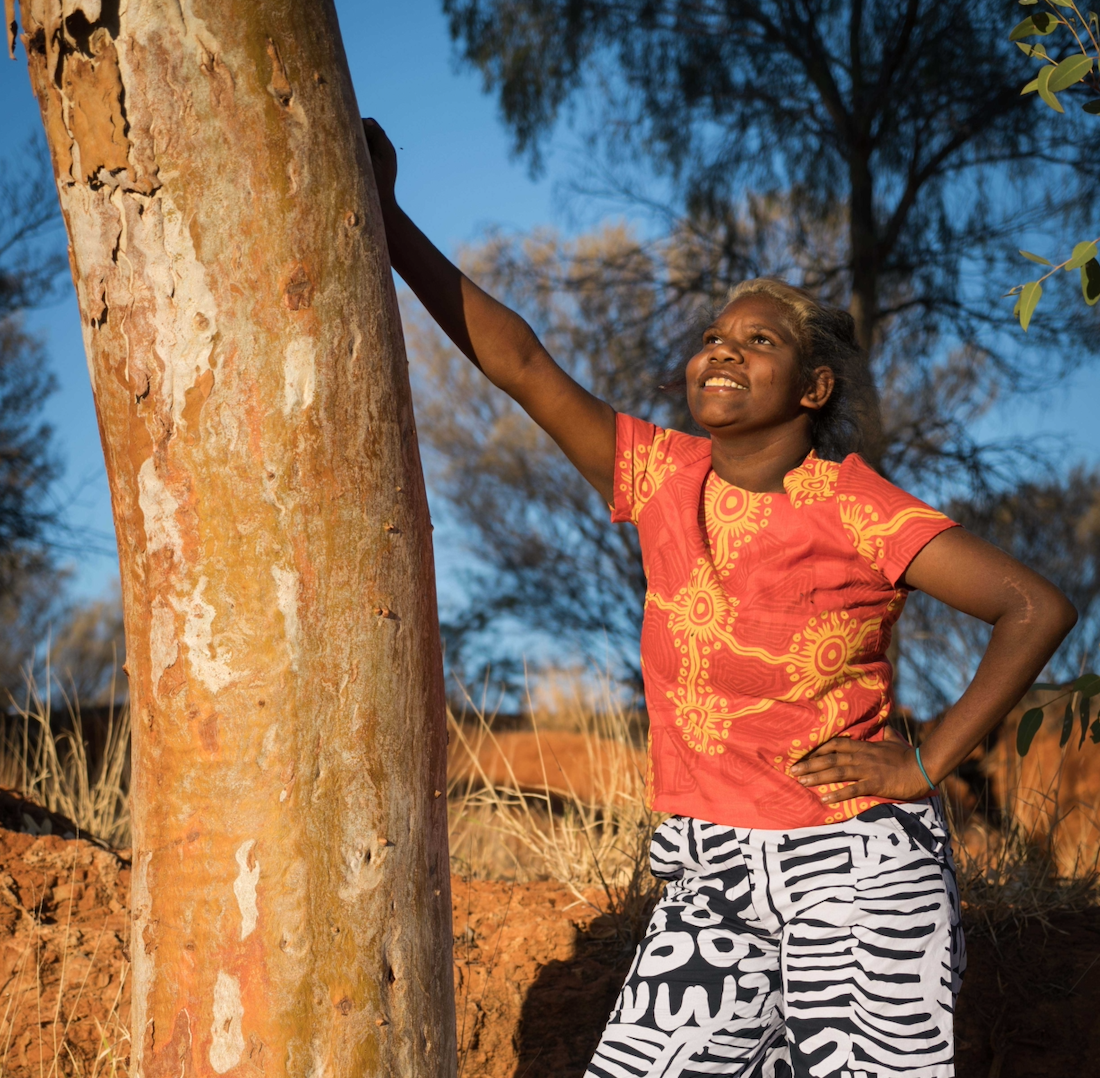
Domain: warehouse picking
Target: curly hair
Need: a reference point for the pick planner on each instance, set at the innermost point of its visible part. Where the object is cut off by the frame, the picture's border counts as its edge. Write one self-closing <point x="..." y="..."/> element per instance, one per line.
<point x="825" y="337"/>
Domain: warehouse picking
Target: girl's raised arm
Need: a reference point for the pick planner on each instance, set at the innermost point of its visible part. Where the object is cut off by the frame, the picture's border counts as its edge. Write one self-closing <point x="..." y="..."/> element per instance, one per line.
<point x="495" y="339"/>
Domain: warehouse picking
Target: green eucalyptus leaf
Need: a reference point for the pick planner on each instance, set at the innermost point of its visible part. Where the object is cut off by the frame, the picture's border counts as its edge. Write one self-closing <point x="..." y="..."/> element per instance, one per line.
<point x="1030" y="87"/>
<point x="1043" y="86"/>
<point x="1061" y="3"/>
<point x="1087" y="684"/>
<point x="1091" y="107"/>
<point x="1028" y="3"/>
<point x="1028" y="728"/>
<point x="1068" y="72"/>
<point x="1036" y="258"/>
<point x="1030" y="295"/>
<point x="1067" y="724"/>
<point x="1084" y="714"/>
<point x="1041" y="23"/>
<point x="1083" y="252"/>
<point x="1094" y="732"/>
<point x="1090" y="282"/>
<point x="1046" y="686"/>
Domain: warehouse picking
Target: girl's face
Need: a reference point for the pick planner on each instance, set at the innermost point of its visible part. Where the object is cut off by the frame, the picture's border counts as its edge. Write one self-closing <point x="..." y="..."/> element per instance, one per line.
<point x="747" y="377"/>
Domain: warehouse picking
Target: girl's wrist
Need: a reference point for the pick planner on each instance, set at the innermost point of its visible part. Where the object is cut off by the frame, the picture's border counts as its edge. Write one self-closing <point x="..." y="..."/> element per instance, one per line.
<point x="922" y="769"/>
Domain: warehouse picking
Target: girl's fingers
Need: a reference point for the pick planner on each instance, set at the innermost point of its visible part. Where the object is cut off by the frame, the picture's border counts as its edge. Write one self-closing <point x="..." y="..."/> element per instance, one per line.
<point x="857" y="789"/>
<point x="813" y="764"/>
<point x="833" y="774"/>
<point x="843" y="746"/>
<point x="827" y="756"/>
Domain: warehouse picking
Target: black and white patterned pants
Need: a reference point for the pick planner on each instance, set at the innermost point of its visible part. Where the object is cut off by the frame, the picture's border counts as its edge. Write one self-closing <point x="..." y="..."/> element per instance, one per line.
<point x="819" y="952"/>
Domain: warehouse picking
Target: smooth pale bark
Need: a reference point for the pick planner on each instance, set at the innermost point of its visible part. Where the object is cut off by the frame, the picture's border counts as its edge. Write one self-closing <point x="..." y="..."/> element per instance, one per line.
<point x="291" y="905"/>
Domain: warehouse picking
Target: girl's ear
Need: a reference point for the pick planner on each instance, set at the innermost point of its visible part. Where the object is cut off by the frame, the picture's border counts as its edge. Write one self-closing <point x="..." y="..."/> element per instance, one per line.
<point x="820" y="389"/>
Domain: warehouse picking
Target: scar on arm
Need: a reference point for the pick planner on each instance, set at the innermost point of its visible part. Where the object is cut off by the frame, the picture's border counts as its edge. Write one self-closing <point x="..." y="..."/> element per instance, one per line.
<point x="1027" y="599"/>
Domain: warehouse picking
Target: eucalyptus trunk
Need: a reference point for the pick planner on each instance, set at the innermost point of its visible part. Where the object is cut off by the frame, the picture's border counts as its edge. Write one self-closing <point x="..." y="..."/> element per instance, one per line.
<point x="291" y="908"/>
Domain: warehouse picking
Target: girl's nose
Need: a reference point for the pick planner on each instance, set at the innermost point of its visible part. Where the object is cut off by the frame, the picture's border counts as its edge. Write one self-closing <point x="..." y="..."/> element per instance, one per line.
<point x="723" y="353"/>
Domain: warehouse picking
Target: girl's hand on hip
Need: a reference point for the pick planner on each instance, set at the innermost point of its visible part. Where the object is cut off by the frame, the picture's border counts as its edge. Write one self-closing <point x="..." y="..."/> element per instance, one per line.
<point x="886" y="768"/>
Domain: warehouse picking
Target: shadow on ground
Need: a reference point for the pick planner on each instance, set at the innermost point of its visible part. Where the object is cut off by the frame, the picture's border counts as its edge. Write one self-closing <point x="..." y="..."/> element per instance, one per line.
<point x="1030" y="1005"/>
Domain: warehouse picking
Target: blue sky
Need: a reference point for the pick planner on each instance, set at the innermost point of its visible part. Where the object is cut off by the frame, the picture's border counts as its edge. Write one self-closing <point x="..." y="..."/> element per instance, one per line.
<point x="456" y="179"/>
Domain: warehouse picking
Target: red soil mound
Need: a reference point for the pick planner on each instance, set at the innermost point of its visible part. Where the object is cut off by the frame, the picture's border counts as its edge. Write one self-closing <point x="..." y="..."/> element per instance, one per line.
<point x="64" y="923"/>
<point x="536" y="972"/>
<point x="566" y="764"/>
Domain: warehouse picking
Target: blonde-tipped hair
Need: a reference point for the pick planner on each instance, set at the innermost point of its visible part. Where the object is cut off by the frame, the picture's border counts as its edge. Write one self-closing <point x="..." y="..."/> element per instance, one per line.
<point x="826" y="337"/>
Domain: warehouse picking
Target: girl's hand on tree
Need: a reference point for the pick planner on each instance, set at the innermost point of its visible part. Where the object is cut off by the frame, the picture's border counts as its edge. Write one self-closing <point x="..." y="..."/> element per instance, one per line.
<point x="886" y="768"/>
<point x="383" y="158"/>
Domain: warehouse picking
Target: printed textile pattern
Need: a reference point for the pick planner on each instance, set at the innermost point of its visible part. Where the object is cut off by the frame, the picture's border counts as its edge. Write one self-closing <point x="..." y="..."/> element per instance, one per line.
<point x="767" y="620"/>
<point x="824" y="952"/>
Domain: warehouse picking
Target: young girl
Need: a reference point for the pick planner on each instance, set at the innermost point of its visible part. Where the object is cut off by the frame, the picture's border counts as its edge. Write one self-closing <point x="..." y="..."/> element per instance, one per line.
<point x="810" y="925"/>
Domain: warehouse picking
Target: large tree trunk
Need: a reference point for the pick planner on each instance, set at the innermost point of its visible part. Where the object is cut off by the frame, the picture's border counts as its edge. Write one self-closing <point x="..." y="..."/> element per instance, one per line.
<point x="291" y="906"/>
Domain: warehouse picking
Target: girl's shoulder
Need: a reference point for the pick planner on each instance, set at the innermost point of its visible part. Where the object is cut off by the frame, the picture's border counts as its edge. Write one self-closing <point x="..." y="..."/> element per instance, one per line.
<point x="888" y="525"/>
<point x="646" y="457"/>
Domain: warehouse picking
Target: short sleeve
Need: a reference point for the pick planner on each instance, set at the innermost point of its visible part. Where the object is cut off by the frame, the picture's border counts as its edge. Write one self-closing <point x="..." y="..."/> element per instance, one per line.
<point x="646" y="457"/>
<point x="888" y="526"/>
<point x="634" y="440"/>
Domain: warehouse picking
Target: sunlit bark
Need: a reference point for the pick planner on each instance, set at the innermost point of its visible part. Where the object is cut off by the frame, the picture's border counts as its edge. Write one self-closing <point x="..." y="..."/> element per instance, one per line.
<point x="291" y="907"/>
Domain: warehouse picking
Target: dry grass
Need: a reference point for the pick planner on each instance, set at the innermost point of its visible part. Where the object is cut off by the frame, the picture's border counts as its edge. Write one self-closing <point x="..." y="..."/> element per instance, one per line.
<point x="51" y="766"/>
<point x="1041" y="856"/>
<point x="510" y="827"/>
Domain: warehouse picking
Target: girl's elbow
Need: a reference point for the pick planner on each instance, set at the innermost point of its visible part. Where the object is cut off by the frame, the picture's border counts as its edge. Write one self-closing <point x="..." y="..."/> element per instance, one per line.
<point x="1062" y="614"/>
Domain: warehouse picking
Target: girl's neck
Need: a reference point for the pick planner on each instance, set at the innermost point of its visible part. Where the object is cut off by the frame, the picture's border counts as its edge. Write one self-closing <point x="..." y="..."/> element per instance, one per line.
<point x="760" y="461"/>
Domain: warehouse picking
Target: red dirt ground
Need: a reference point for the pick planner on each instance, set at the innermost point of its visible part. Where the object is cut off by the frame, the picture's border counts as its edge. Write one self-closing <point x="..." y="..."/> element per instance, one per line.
<point x="536" y="972"/>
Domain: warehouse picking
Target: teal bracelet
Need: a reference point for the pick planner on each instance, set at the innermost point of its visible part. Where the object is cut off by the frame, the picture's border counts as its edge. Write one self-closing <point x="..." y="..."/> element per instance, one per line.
<point x="931" y="784"/>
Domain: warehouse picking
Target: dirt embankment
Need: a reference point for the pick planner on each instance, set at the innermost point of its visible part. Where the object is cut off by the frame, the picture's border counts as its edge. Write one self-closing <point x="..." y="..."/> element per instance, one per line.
<point x="536" y="972"/>
<point x="64" y="923"/>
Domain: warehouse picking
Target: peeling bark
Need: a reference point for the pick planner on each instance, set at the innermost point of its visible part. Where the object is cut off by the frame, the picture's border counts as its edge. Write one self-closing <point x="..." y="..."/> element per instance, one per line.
<point x="291" y="888"/>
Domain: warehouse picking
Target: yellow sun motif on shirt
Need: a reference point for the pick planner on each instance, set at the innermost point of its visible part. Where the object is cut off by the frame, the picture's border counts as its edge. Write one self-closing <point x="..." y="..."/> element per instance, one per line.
<point x="701" y="612"/>
<point x="813" y="481"/>
<point x="650" y="465"/>
<point x="704" y="720"/>
<point x="823" y="654"/>
<point x="868" y="532"/>
<point x="700" y="618"/>
<point x="733" y="516"/>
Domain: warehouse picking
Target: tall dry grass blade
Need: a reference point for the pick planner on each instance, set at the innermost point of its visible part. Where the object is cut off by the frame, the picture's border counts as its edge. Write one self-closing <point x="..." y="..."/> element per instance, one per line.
<point x="50" y="766"/>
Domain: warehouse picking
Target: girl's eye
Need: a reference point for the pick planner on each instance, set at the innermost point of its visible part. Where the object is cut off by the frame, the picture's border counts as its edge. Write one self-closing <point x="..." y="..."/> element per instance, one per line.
<point x="761" y="337"/>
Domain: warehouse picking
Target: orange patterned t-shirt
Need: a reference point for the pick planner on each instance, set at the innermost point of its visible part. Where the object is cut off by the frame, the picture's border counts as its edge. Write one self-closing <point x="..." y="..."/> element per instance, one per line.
<point x="767" y="619"/>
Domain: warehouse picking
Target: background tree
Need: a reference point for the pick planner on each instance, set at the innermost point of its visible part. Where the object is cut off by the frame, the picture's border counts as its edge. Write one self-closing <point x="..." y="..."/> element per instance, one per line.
<point x="32" y="257"/>
<point x="904" y="119"/>
<point x="880" y="153"/>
